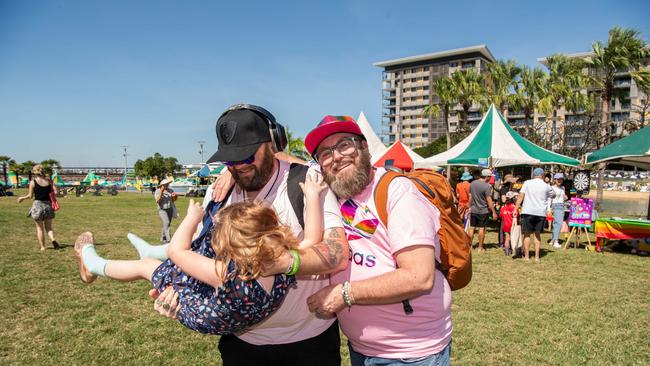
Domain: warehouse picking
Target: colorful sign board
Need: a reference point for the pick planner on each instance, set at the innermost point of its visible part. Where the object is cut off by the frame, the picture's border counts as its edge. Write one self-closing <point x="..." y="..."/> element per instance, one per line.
<point x="580" y="212"/>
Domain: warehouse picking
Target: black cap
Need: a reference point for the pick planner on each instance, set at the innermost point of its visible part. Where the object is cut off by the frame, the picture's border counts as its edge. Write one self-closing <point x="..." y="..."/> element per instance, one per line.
<point x="240" y="132"/>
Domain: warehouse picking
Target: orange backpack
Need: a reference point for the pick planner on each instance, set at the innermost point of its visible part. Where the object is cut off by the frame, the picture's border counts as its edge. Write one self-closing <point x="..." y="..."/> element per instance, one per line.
<point x="455" y="252"/>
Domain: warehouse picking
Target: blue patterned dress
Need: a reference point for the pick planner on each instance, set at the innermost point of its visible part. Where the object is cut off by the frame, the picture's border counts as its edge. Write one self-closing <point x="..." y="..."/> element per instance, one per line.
<point x="235" y="306"/>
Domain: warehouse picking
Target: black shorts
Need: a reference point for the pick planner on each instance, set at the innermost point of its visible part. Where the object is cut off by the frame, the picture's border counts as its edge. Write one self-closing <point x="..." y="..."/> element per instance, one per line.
<point x="532" y="223"/>
<point x="478" y="220"/>
<point x="321" y="350"/>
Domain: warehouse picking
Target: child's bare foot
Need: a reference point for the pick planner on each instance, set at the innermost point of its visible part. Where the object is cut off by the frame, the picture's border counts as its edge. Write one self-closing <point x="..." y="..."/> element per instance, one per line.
<point x="83" y="240"/>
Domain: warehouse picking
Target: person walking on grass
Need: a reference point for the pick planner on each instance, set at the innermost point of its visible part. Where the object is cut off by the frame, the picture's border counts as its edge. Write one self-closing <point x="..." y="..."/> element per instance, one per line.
<point x="557" y="208"/>
<point x="481" y="204"/>
<point x="165" y="198"/>
<point x="218" y="275"/>
<point x="534" y="200"/>
<point x="41" y="211"/>
<point x="506" y="214"/>
<point x="462" y="192"/>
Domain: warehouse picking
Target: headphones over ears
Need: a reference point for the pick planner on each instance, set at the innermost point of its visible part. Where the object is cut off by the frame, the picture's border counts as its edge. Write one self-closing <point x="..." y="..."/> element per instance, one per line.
<point x="276" y="130"/>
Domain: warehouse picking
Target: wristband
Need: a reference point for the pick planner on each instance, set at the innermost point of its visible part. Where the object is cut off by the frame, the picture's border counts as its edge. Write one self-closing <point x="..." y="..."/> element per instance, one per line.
<point x="345" y="292"/>
<point x="296" y="263"/>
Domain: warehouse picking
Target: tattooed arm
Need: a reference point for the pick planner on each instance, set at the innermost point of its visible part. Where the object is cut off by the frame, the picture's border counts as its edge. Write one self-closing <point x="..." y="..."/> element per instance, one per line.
<point x="327" y="257"/>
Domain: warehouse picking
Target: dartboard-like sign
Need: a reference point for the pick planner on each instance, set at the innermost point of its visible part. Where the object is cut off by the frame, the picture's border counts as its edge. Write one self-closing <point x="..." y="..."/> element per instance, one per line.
<point x="581" y="182"/>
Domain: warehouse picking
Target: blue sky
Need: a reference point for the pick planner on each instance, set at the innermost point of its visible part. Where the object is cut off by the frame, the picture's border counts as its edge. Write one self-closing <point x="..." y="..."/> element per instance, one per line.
<point x="78" y="79"/>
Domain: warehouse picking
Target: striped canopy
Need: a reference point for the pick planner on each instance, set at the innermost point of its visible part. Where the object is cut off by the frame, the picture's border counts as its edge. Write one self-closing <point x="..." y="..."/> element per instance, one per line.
<point x="494" y="142"/>
<point x="631" y="150"/>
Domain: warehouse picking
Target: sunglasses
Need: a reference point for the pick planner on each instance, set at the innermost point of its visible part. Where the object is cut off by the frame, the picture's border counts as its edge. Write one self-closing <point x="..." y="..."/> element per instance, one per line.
<point x="250" y="160"/>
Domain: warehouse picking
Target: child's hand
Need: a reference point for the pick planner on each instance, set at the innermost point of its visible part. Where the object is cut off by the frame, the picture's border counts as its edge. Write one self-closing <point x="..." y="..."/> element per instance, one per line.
<point x="195" y="211"/>
<point x="313" y="185"/>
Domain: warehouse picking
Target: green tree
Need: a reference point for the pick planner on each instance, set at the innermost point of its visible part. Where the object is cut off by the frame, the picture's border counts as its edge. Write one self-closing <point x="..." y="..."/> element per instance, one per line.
<point x="438" y="145"/>
<point x="642" y="107"/>
<point x="469" y="89"/>
<point x="528" y="92"/>
<point x="296" y="147"/>
<point x="623" y="52"/>
<point x="565" y="79"/>
<point x="49" y="165"/>
<point x="24" y="168"/>
<point x="501" y="81"/>
<point x="6" y="163"/>
<point x="156" y="165"/>
<point x="446" y="97"/>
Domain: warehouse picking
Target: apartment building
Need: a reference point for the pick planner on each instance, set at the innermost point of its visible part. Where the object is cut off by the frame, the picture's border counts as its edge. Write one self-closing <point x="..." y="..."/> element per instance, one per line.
<point x="407" y="90"/>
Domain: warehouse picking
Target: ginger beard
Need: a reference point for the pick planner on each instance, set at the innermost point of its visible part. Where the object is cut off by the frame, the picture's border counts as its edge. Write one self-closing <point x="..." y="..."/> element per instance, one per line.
<point x="349" y="182"/>
<point x="261" y="174"/>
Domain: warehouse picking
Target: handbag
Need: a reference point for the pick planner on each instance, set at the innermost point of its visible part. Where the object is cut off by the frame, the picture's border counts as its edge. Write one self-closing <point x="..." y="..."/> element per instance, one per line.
<point x="53" y="200"/>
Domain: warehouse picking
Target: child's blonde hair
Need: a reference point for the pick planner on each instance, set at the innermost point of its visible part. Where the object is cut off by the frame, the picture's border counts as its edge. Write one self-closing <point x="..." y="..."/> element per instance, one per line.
<point x="250" y="234"/>
<point x="38" y="170"/>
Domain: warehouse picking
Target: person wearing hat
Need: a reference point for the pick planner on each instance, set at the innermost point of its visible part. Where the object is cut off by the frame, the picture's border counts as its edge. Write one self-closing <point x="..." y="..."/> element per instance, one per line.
<point x="557" y="207"/>
<point x="481" y="205"/>
<point x="388" y="263"/>
<point x="249" y="137"/>
<point x="462" y="192"/>
<point x="534" y="200"/>
<point x="165" y="198"/>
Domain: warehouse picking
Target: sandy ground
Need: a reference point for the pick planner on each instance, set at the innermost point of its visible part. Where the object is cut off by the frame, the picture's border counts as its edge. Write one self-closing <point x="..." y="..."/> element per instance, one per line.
<point x="617" y="203"/>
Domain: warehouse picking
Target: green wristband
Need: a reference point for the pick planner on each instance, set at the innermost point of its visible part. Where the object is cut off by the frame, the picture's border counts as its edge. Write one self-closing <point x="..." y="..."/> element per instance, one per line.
<point x="296" y="263"/>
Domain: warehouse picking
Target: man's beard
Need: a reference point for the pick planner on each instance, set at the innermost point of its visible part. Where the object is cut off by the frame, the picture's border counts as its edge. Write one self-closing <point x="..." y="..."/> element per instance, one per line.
<point x="261" y="176"/>
<point x="350" y="185"/>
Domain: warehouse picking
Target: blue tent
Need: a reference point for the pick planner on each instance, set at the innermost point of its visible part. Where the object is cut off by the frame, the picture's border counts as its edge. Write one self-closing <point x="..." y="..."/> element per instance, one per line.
<point x="204" y="172"/>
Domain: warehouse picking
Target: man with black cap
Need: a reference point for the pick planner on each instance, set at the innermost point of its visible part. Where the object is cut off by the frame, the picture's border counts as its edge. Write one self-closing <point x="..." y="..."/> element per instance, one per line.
<point x="248" y="138"/>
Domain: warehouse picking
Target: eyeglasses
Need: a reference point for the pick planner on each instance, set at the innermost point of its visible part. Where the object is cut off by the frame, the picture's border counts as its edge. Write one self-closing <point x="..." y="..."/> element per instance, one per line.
<point x="345" y="147"/>
<point x="250" y="160"/>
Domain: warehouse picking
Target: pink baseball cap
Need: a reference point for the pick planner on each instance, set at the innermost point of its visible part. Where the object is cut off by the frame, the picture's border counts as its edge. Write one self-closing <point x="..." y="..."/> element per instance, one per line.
<point x="330" y="125"/>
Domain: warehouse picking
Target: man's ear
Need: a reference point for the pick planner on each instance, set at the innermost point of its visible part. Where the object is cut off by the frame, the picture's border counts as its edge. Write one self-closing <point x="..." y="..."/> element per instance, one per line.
<point x="364" y="144"/>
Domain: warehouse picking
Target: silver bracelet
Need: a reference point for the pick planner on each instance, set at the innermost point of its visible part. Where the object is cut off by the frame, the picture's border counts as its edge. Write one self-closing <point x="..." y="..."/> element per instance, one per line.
<point x="345" y="292"/>
<point x="290" y="265"/>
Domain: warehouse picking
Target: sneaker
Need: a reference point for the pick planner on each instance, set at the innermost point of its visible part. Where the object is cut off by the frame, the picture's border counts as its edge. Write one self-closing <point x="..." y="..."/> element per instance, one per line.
<point x="82" y="241"/>
<point x="557" y="245"/>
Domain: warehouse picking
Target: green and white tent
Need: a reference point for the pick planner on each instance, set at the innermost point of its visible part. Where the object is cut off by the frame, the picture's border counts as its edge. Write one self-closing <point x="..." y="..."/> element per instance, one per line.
<point x="495" y="144"/>
<point x="631" y="150"/>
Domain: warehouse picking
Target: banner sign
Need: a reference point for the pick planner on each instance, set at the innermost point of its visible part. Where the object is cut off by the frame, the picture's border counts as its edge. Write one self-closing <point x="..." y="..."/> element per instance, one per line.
<point x="581" y="212"/>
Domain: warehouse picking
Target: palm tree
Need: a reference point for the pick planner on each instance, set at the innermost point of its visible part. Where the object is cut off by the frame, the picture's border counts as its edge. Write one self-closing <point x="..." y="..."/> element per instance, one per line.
<point x="49" y="165"/>
<point x="468" y="87"/>
<point x="528" y="92"/>
<point x="642" y="79"/>
<point x="565" y="79"/>
<point x="6" y="161"/>
<point x="296" y="147"/>
<point x="623" y="52"/>
<point x="501" y="80"/>
<point x="444" y="89"/>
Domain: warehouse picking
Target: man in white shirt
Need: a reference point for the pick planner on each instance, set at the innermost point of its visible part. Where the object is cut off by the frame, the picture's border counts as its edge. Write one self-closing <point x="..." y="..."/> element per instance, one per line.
<point x="535" y="195"/>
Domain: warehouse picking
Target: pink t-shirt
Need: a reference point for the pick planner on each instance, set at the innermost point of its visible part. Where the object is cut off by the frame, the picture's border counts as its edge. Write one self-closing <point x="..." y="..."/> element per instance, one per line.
<point x="386" y="330"/>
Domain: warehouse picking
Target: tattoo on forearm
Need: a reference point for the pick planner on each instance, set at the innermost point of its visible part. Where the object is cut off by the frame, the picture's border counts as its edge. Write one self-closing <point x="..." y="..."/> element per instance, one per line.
<point x="331" y="250"/>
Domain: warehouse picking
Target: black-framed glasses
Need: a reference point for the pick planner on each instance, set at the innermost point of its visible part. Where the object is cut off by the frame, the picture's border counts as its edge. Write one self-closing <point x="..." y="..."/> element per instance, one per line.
<point x="250" y="160"/>
<point x="345" y="147"/>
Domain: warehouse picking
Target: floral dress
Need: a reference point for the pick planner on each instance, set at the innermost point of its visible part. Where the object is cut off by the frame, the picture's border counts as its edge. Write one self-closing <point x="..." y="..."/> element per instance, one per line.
<point x="235" y="306"/>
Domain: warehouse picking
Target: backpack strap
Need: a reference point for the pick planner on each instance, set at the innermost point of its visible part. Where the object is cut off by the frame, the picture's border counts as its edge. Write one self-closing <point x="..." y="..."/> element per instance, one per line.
<point x="381" y="195"/>
<point x="210" y="211"/>
<point x="297" y="174"/>
<point x="381" y="204"/>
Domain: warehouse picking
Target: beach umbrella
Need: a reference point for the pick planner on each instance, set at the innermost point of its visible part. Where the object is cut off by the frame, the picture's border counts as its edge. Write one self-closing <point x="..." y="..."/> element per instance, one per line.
<point x="493" y="143"/>
<point x="631" y="150"/>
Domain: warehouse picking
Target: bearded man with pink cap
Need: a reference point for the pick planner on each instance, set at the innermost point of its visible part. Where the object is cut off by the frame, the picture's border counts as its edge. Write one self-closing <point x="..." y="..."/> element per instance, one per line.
<point x="388" y="265"/>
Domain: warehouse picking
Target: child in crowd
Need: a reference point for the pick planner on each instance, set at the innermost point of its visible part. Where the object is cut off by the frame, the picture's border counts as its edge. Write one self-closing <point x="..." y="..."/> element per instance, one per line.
<point x="217" y="276"/>
<point x="507" y="214"/>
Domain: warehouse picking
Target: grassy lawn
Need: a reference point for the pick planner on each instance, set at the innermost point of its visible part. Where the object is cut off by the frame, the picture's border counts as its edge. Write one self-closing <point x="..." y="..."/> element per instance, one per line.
<point x="576" y="307"/>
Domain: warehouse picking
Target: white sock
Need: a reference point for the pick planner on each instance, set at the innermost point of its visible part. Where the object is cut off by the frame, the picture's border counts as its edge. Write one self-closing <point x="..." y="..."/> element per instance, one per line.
<point x="146" y="250"/>
<point x="93" y="262"/>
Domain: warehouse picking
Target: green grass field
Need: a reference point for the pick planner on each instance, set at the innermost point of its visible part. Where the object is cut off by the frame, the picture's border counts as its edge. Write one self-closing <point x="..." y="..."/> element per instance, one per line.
<point x="576" y="307"/>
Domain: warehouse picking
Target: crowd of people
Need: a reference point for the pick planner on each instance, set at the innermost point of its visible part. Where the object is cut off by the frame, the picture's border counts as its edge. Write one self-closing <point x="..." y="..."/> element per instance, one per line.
<point x="524" y="207"/>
